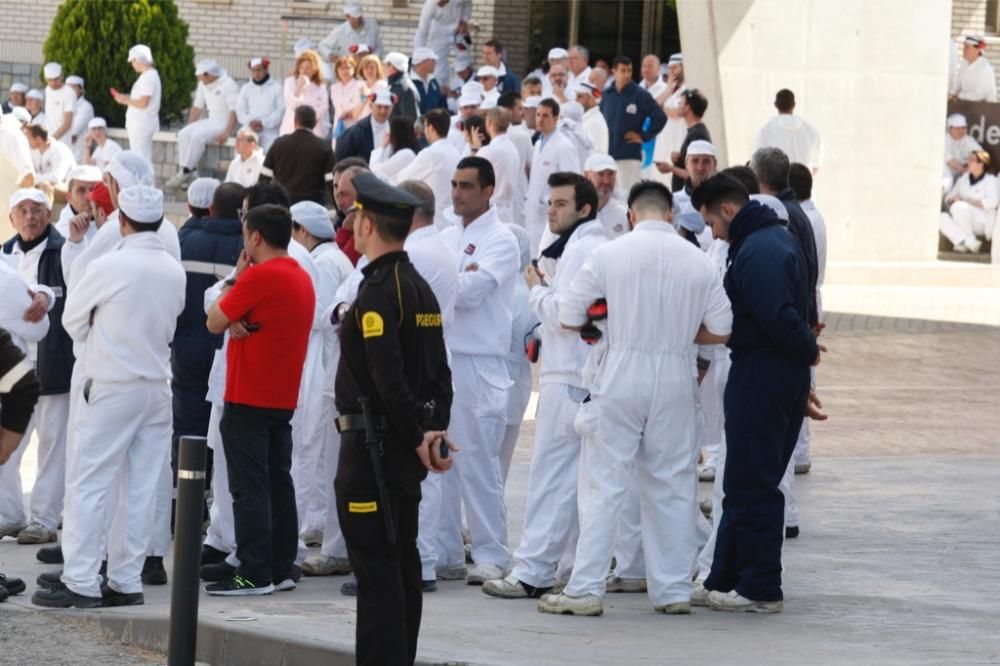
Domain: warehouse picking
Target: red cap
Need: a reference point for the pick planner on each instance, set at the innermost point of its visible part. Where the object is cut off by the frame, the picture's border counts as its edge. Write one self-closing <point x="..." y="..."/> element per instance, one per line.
<point x="102" y="197"/>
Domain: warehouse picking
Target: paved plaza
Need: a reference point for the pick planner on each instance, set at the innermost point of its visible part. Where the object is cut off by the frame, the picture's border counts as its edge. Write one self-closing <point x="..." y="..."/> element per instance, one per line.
<point x="896" y="563"/>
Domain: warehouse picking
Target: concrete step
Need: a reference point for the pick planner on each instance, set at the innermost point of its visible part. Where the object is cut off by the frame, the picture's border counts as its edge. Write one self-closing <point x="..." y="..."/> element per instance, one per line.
<point x="913" y="274"/>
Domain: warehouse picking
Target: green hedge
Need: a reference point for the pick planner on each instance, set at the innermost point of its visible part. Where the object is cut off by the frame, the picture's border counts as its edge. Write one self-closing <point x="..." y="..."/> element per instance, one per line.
<point x="91" y="38"/>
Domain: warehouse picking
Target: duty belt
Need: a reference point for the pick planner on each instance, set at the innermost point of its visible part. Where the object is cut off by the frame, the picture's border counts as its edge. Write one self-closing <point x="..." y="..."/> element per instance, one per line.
<point x="354" y="423"/>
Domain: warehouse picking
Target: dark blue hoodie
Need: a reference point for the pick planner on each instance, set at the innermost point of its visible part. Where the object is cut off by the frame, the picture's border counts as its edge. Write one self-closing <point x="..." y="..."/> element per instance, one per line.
<point x="768" y="286"/>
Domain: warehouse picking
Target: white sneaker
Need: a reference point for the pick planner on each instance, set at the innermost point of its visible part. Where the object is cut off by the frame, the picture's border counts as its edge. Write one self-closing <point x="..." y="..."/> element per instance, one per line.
<point x="734" y="602"/>
<point x="480" y="573"/>
<point x="179" y="179"/>
<point x="313" y="538"/>
<point x="456" y="572"/>
<point x="563" y="604"/>
<point x="323" y="565"/>
<point x="505" y="588"/>
<point x="706" y="474"/>
<point x="36" y="533"/>
<point x="699" y="595"/>
<point x="559" y="586"/>
<point x="677" y="608"/>
<point x="974" y="245"/>
<point x="286" y="585"/>
<point x="614" y="583"/>
<point x="11" y="530"/>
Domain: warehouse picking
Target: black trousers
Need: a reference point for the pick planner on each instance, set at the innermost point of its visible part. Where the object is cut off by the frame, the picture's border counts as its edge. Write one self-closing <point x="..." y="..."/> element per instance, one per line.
<point x="258" y="446"/>
<point x="764" y="405"/>
<point x="390" y="589"/>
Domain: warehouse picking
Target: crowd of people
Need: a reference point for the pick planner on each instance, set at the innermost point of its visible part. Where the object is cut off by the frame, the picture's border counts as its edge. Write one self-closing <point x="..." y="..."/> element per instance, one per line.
<point x="386" y="260"/>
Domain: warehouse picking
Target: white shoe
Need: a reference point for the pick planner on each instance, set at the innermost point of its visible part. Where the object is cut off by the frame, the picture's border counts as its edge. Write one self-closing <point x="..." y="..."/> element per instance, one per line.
<point x="614" y="583"/>
<point x="451" y="573"/>
<point x="699" y="595"/>
<point x="505" y="588"/>
<point x="286" y="585"/>
<point x="313" y="538"/>
<point x="559" y="586"/>
<point x="480" y="573"/>
<point x="36" y="533"/>
<point x="706" y="474"/>
<point x="563" y="604"/>
<point x="677" y="608"/>
<point x="960" y="247"/>
<point x="737" y="603"/>
<point x="974" y="245"/>
<point x="179" y="179"/>
<point x="323" y="565"/>
<point x="11" y="530"/>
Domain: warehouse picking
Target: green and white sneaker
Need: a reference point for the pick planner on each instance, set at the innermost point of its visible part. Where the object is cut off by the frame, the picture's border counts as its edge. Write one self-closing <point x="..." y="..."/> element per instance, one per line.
<point x="238" y="586"/>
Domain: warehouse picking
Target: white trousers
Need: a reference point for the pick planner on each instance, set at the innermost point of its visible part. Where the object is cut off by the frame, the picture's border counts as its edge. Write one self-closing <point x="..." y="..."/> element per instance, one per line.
<point x="140" y="138"/>
<point x="801" y="455"/>
<point x="517" y="402"/>
<point x="309" y="426"/>
<point x="646" y="416"/>
<point x="707" y="554"/>
<point x="535" y="223"/>
<point x="711" y="390"/>
<point x="221" y="533"/>
<point x="441" y="45"/>
<point x="191" y="140"/>
<point x="429" y="523"/>
<point x="629" y="173"/>
<point x="966" y="222"/>
<point x="550" y="518"/>
<point x="333" y="538"/>
<point x="50" y="423"/>
<point x="124" y="429"/>
<point x="478" y="419"/>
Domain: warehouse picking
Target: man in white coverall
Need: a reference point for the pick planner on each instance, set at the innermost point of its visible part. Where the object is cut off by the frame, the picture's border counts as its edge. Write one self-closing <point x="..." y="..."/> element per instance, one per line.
<point x="550" y="520"/>
<point x="260" y="104"/>
<point x="487" y="261"/>
<point x="553" y="151"/>
<point x="975" y="81"/>
<point x="440" y="21"/>
<point x="662" y="295"/>
<point x="124" y="422"/>
<point x="791" y="133"/>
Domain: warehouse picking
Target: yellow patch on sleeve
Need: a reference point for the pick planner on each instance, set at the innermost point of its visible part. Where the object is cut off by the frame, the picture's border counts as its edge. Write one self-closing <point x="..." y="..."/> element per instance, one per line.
<point x="372" y="325"/>
<point x="362" y="507"/>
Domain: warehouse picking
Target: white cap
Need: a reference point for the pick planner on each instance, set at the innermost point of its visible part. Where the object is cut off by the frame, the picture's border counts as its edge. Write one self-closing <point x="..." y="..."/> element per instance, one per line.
<point x="532" y="102"/>
<point x="52" y="70"/>
<point x="773" y="203"/>
<point x="975" y="40"/>
<point x="676" y="59"/>
<point x="303" y="44"/>
<point x="383" y="96"/>
<point x="209" y="67"/>
<point x="469" y="99"/>
<point x="463" y="61"/>
<point x="473" y="88"/>
<point x="956" y="120"/>
<point x="587" y="88"/>
<point x="353" y="9"/>
<point x="488" y="103"/>
<point x="201" y="191"/>
<point x="34" y="93"/>
<point x="488" y="70"/>
<point x="314" y="217"/>
<point x="85" y="172"/>
<point x="142" y="53"/>
<point x="97" y="122"/>
<point x="397" y="60"/>
<point x="423" y="54"/>
<point x="129" y="168"/>
<point x="600" y="162"/>
<point x="28" y="194"/>
<point x="19" y="87"/>
<point x="74" y="80"/>
<point x="141" y="203"/>
<point x="258" y="62"/>
<point x="700" y="147"/>
<point x="572" y="111"/>
<point x="22" y="115"/>
<point x="558" y="53"/>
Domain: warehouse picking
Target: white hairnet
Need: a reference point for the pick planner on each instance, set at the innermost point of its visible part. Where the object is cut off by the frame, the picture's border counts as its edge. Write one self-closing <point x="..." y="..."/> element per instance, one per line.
<point x="201" y="192"/>
<point x="141" y="203"/>
<point x="129" y="168"/>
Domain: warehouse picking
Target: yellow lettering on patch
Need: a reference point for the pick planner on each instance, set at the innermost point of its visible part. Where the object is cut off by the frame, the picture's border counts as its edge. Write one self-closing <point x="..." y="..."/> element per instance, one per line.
<point x="372" y="326"/>
<point x="362" y="507"/>
<point x="429" y="320"/>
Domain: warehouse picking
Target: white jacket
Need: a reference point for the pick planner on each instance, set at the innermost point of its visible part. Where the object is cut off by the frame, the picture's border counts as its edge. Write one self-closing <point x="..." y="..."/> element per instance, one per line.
<point x="976" y="81"/>
<point x="596" y="127"/>
<point x="219" y="97"/>
<point x="435" y="262"/>
<point x="511" y="181"/>
<point x="434" y="166"/>
<point x="793" y="135"/>
<point x="265" y="103"/>
<point x="245" y="172"/>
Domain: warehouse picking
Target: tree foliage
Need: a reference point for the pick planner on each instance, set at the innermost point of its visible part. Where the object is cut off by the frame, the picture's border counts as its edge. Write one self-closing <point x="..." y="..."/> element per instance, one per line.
<point x="91" y="38"/>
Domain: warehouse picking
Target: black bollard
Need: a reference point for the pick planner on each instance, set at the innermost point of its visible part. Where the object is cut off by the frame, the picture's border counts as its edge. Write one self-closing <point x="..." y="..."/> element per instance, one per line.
<point x="187" y="552"/>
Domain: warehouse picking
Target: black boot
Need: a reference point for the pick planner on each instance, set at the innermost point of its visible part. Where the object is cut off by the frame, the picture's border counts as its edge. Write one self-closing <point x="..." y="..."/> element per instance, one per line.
<point x="153" y="572"/>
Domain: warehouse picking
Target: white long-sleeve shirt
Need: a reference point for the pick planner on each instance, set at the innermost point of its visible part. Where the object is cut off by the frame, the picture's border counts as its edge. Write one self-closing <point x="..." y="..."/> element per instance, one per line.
<point x="596" y="128"/>
<point x="218" y="97"/>
<point x="975" y="81"/>
<point x="484" y="302"/>
<point x="435" y="262"/>
<point x="614" y="219"/>
<point x="125" y="309"/>
<point x="102" y="155"/>
<point x="795" y="137"/>
<point x="57" y="104"/>
<point x="265" y="103"/>
<point x="246" y="172"/>
<point x="511" y="183"/>
<point x="54" y="165"/>
<point x="986" y="189"/>
<point x="438" y="24"/>
<point x="83" y="113"/>
<point x="387" y="165"/>
<point x="344" y="36"/>
<point x="434" y="166"/>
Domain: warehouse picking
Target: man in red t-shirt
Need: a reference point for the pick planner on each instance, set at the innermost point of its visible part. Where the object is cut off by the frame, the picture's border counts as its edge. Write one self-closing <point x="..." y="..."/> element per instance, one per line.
<point x="268" y="308"/>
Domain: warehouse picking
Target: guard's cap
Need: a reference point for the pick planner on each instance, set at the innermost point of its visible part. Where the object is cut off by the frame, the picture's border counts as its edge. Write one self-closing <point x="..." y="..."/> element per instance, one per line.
<point x="600" y="162"/>
<point x="201" y="191"/>
<point x="19" y="87"/>
<point x="28" y="194"/>
<point x="397" y="60"/>
<point x="701" y="147"/>
<point x="381" y="198"/>
<point x="97" y="122"/>
<point x="314" y="217"/>
<point x="423" y="54"/>
<point x="209" y="67"/>
<point x="129" y="168"/>
<point x="558" y="53"/>
<point x="141" y="53"/>
<point x="353" y="9"/>
<point x="956" y="120"/>
<point x="141" y="203"/>
<point x="34" y="93"/>
<point x="74" y="80"/>
<point x="88" y="173"/>
<point x="52" y="70"/>
<point x="101" y="196"/>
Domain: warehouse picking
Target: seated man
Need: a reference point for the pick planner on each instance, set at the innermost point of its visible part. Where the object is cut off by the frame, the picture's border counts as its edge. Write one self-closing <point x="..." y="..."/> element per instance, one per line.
<point x="52" y="159"/>
<point x="218" y="93"/>
<point x="245" y="167"/>
<point x="99" y="150"/>
<point x="958" y="146"/>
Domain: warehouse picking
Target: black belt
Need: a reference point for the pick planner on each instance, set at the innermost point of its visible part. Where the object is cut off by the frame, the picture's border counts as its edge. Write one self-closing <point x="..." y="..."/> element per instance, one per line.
<point x="354" y="423"/>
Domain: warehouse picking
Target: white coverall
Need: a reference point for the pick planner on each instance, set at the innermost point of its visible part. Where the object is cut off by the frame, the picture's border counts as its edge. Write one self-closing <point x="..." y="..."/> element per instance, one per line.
<point x="142" y="124"/>
<point x="795" y="137"/>
<point x="965" y="221"/>
<point x="15" y="164"/>
<point x="246" y="172"/>
<point x="53" y="166"/>
<point x="550" y="519"/>
<point x="264" y="102"/>
<point x="551" y="154"/>
<point x="83" y="113"/>
<point x="219" y="97"/>
<point x="524" y="323"/>
<point x="479" y="341"/>
<point x="511" y="183"/>
<point x="57" y="104"/>
<point x="436" y="31"/>
<point x="975" y="81"/>
<point x="344" y="36"/>
<point x="124" y="421"/>
<point x="660" y="289"/>
<point x="434" y="166"/>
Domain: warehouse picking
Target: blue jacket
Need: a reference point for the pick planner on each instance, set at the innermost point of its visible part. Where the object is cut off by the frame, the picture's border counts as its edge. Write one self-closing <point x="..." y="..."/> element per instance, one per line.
<point x="768" y="289"/>
<point x="799" y="224"/>
<point x="430" y="96"/>
<point x="509" y="82"/>
<point x="358" y="140"/>
<point x="627" y="111"/>
<point x="54" y="364"/>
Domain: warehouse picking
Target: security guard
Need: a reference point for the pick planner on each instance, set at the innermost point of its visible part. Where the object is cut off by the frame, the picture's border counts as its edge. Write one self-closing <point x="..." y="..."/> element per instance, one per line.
<point x="394" y="395"/>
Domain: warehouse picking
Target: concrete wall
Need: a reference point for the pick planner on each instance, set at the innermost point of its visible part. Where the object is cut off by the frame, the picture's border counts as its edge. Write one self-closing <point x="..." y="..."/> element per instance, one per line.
<point x="872" y="77"/>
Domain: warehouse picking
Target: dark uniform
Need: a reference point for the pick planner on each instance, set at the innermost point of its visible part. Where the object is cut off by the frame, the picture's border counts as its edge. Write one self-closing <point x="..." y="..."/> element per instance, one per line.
<point x="392" y="353"/>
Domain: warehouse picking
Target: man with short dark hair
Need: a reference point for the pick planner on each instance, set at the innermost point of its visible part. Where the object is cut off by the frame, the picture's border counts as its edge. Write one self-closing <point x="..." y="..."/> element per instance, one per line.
<point x="301" y="161"/>
<point x="52" y="159"/>
<point x="429" y="94"/>
<point x="493" y="55"/>
<point x="518" y="132"/>
<point x="361" y="138"/>
<point x="435" y="164"/>
<point x="692" y="109"/>
<point x="271" y="301"/>
<point x="791" y="133"/>
<point x="553" y="152"/>
<point x="633" y="118"/>
<point x="767" y="394"/>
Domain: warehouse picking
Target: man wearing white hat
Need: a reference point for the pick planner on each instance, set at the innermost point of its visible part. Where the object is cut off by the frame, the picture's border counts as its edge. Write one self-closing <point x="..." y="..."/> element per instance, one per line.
<point x="578" y="65"/>
<point x="468" y="104"/>
<point x="489" y="76"/>
<point x="17" y="170"/>
<point x="594" y="125"/>
<point x="361" y="138"/>
<point x="248" y="161"/>
<point x="553" y="152"/>
<point x="440" y="21"/>
<point x="462" y="75"/>
<point x="80" y="181"/>
<point x="217" y="92"/>
<point x="142" y="118"/>
<point x="700" y="162"/>
<point x="260" y="105"/>
<point x="99" y="148"/>
<point x="975" y="81"/>
<point x="397" y="67"/>
<point x="435" y="164"/>
<point x="429" y="95"/>
<point x="34" y="251"/>
<point x="356" y="29"/>
<point x="83" y="113"/>
<point x="60" y="103"/>
<point x="16" y="96"/>
<point x="34" y="102"/>
<point x="602" y="171"/>
<point x="124" y="422"/>
<point x="958" y="145"/>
